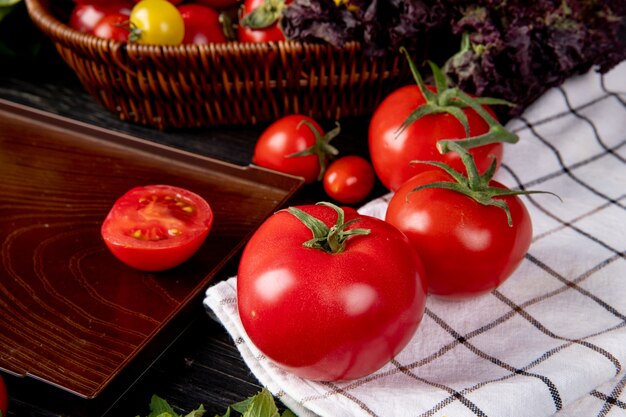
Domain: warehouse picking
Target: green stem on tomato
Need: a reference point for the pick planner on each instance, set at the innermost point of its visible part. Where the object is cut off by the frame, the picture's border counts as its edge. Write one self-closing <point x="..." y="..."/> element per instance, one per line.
<point x="452" y="100"/>
<point x="321" y="148"/>
<point x="331" y="240"/>
<point x="474" y="185"/>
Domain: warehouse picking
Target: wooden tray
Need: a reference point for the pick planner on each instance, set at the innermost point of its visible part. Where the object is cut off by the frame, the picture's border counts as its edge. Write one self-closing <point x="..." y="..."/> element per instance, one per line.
<point x="77" y="327"/>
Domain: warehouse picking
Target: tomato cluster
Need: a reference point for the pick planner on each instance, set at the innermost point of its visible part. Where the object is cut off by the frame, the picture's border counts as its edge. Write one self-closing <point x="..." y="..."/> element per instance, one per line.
<point x="330" y="294"/>
<point x="174" y="22"/>
<point x="297" y="145"/>
<point x="436" y="149"/>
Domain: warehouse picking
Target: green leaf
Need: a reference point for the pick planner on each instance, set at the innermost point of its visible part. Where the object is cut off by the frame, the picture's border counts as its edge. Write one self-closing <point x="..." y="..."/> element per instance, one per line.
<point x="6" y="6"/>
<point x="198" y="412"/>
<point x="160" y="408"/>
<point x="288" y="413"/>
<point x="262" y="405"/>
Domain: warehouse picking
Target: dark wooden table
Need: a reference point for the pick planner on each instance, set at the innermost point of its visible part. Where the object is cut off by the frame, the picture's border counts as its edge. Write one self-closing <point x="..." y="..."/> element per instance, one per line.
<point x="203" y="366"/>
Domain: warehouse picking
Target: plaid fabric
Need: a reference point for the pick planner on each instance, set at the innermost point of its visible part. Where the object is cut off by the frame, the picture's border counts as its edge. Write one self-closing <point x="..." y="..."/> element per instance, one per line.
<point x="552" y="339"/>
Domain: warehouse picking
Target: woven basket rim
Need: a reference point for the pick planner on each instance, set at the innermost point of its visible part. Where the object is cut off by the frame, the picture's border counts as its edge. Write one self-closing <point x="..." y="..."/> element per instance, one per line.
<point x="59" y="31"/>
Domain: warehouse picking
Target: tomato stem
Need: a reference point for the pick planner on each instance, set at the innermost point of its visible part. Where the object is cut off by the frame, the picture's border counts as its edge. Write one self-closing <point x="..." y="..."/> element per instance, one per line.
<point x="452" y="100"/>
<point x="322" y="147"/>
<point x="268" y="13"/>
<point x="329" y="239"/>
<point x="474" y="185"/>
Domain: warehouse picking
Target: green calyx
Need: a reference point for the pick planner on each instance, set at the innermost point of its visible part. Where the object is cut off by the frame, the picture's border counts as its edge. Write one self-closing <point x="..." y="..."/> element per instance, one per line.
<point x="329" y="239"/>
<point x="452" y="100"/>
<point x="322" y="147"/>
<point x="268" y="13"/>
<point x="474" y="185"/>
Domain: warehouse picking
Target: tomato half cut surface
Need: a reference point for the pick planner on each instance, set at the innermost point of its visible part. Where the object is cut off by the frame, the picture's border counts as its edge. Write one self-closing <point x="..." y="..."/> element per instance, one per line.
<point x="157" y="227"/>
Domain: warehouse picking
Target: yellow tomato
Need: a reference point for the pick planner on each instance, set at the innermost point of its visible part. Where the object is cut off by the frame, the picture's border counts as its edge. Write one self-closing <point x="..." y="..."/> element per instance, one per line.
<point x="156" y="22"/>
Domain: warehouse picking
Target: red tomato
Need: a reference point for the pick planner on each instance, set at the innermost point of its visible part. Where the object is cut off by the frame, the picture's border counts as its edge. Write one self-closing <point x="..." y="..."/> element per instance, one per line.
<point x="85" y="16"/>
<point x="218" y="4"/>
<point x="270" y="33"/>
<point x="287" y="136"/>
<point x="349" y="179"/>
<point x="171" y="1"/>
<point x="157" y="227"/>
<point x="391" y="153"/>
<point x="114" y="26"/>
<point x="202" y="24"/>
<point x="4" y="398"/>
<point x="329" y="316"/>
<point x="467" y="248"/>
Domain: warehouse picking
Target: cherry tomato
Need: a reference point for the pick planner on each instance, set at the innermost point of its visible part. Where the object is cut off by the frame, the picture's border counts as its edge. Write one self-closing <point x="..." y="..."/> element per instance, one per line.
<point x="349" y="179"/>
<point x="113" y="26"/>
<point x="4" y="398"/>
<point x="202" y="24"/>
<point x="270" y="33"/>
<point x="171" y="1"/>
<point x="157" y="22"/>
<point x="391" y="152"/>
<point x="218" y="4"/>
<point x="324" y="315"/>
<point x="467" y="248"/>
<point x="85" y="16"/>
<point x="276" y="147"/>
<point x="157" y="227"/>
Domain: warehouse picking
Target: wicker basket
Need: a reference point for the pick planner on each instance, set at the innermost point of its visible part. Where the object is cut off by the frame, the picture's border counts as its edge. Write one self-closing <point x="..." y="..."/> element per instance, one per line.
<point x="218" y="84"/>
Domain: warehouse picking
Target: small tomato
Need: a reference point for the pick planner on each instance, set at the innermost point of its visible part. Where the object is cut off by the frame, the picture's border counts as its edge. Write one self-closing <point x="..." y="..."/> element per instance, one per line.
<point x="202" y="24"/>
<point x="156" y="22"/>
<point x="349" y="179"/>
<point x="295" y="145"/>
<point x="113" y="26"/>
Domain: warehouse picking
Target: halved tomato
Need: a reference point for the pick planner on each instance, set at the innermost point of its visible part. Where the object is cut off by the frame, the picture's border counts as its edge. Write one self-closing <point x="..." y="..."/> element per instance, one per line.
<point x="157" y="227"/>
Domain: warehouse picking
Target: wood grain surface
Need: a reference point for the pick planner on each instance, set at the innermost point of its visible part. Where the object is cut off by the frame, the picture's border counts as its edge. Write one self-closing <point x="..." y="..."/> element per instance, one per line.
<point x="73" y="317"/>
<point x="202" y="365"/>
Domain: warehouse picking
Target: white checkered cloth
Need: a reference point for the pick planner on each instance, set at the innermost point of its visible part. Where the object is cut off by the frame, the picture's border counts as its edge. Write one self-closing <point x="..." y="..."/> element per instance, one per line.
<point x="551" y="340"/>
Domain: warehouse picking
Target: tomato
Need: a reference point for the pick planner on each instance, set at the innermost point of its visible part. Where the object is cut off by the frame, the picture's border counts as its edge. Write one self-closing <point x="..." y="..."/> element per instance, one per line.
<point x="295" y="144"/>
<point x="202" y="24"/>
<point x="157" y="227"/>
<point x="113" y="26"/>
<point x="334" y="315"/>
<point x="171" y="1"/>
<point x="391" y="153"/>
<point x="85" y="16"/>
<point x="349" y="179"/>
<point x="4" y="398"/>
<point x="157" y="22"/>
<point x="260" y="21"/>
<point x="218" y="4"/>
<point x="467" y="248"/>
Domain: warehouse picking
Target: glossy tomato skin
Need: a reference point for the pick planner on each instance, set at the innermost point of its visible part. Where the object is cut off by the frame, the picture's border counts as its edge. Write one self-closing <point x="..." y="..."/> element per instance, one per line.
<point x="4" y="398"/>
<point x="285" y="137"/>
<point x="86" y="16"/>
<point x="218" y="4"/>
<point x="202" y="24"/>
<point x="158" y="22"/>
<point x="272" y="33"/>
<point x="113" y="26"/>
<point x="349" y="179"/>
<point x="157" y="227"/>
<point x="329" y="316"/>
<point x="467" y="248"/>
<point x="391" y="153"/>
